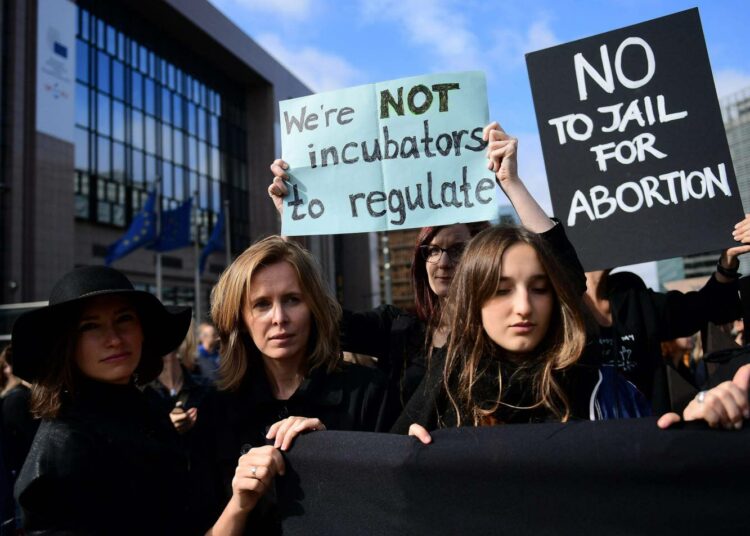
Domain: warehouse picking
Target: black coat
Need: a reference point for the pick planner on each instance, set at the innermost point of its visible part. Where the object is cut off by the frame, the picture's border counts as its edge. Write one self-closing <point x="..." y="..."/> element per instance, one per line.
<point x="232" y="422"/>
<point x="642" y="319"/>
<point x="107" y="465"/>
<point x="431" y="408"/>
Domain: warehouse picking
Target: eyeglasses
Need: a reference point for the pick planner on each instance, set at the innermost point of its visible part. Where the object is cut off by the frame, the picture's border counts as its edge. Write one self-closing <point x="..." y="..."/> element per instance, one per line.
<point x="432" y="253"/>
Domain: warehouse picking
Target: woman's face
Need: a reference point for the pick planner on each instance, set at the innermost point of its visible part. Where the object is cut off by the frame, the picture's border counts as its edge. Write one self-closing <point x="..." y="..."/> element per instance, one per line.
<point x="441" y="265"/>
<point x="110" y="339"/>
<point x="518" y="316"/>
<point x="276" y="314"/>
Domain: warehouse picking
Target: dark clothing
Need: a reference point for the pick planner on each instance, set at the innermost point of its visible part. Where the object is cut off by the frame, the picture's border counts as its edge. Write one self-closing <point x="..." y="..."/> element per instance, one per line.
<point x="233" y="422"/>
<point x="431" y="408"/>
<point x="398" y="338"/>
<point x="190" y="395"/>
<point x="208" y="363"/>
<point x="642" y="319"/>
<point x="19" y="427"/>
<point x="107" y="465"/>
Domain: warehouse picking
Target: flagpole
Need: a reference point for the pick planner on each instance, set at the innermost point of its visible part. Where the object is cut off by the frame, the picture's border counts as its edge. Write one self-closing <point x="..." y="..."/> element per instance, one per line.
<point x="227" y="233"/>
<point x="197" y="252"/>
<point x="158" y="235"/>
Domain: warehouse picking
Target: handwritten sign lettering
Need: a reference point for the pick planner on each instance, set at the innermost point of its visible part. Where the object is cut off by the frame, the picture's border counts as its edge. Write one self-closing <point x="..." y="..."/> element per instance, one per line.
<point x="634" y="145"/>
<point x="398" y="154"/>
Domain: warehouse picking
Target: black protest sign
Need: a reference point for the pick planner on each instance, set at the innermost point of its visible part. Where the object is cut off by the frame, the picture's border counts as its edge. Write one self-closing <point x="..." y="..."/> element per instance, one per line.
<point x="634" y="145"/>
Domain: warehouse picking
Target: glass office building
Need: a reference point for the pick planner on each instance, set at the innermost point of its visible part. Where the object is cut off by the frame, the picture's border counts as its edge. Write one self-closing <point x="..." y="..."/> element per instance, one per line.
<point x="104" y="101"/>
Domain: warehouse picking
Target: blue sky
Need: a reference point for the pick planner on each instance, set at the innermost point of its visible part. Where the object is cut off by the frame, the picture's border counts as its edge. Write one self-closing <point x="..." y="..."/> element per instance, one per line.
<point x="330" y="44"/>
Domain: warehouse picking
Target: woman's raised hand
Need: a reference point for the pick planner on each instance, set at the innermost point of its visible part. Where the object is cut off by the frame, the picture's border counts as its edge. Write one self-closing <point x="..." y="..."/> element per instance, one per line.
<point x="284" y="432"/>
<point x="726" y="405"/>
<point x="277" y="189"/>
<point x="501" y="152"/>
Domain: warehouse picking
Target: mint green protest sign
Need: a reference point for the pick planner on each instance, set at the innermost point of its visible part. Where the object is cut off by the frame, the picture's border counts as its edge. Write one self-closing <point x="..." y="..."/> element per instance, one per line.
<point x="394" y="155"/>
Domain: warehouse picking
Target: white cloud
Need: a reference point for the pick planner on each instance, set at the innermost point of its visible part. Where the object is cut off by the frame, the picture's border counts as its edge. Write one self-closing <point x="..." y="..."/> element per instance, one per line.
<point x="291" y="9"/>
<point x="729" y="81"/>
<point x="438" y="26"/>
<point x="510" y="46"/>
<point x="320" y="70"/>
<point x="539" y="36"/>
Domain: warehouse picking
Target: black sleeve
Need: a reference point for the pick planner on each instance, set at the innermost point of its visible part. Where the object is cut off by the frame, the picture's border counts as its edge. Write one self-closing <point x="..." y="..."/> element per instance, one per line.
<point x="681" y="314"/>
<point x="426" y="403"/>
<point x="368" y="332"/>
<point x="57" y="488"/>
<point x="558" y="242"/>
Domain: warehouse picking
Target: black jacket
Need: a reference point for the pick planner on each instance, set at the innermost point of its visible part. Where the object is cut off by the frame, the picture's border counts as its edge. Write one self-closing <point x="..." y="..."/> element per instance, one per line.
<point x="397" y="338"/>
<point x="431" y="408"/>
<point x="107" y="465"/>
<point x="642" y="319"/>
<point x="233" y="422"/>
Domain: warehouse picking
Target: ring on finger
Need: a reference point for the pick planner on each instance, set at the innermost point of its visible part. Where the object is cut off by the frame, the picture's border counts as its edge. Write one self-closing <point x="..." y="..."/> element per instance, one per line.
<point x="254" y="471"/>
<point x="700" y="397"/>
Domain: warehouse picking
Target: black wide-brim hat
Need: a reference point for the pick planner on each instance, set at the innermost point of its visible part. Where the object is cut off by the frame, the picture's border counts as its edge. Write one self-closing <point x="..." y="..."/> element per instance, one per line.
<point x="36" y="333"/>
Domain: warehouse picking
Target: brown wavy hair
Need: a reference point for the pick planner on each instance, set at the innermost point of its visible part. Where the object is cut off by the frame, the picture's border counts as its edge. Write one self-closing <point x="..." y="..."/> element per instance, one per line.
<point x="477" y="279"/>
<point x="426" y="302"/>
<point x="228" y="299"/>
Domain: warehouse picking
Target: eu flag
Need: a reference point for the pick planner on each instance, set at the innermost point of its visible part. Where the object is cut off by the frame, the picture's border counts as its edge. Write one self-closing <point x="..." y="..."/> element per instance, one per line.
<point x="175" y="228"/>
<point x="215" y="242"/>
<point x="142" y="231"/>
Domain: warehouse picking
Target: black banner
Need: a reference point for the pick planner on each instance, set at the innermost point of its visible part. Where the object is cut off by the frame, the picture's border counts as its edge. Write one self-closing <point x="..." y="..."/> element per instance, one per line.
<point x="612" y="477"/>
<point x="634" y="144"/>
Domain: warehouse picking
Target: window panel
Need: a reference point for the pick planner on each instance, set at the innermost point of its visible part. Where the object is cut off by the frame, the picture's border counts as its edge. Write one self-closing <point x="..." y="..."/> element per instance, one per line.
<point x="111" y="41"/>
<point x="191" y="126"/>
<point x="118" y="162"/>
<point x="102" y="67"/>
<point x="215" y="163"/>
<point x="201" y="123"/>
<point x="84" y="24"/>
<point x="118" y="79"/>
<point x="178" y="147"/>
<point x="192" y="148"/>
<point x="137" y="129"/>
<point x="166" y="105"/>
<point x="81" y="150"/>
<point x="82" y="105"/>
<point x="177" y="110"/>
<point x="137" y="166"/>
<point x="149" y="97"/>
<point x="136" y="90"/>
<point x="202" y="158"/>
<point x="166" y="142"/>
<point x="150" y="131"/>
<point x="103" y="164"/>
<point x="151" y="173"/>
<point x="118" y="121"/>
<point x="102" y="114"/>
<point x="82" y="61"/>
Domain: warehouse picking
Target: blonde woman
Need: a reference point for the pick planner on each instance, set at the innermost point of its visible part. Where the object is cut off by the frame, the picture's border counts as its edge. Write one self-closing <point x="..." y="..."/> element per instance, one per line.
<point x="281" y="374"/>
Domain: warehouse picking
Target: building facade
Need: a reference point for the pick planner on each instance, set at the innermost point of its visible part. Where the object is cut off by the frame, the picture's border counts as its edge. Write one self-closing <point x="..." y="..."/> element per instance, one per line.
<point x="104" y="102"/>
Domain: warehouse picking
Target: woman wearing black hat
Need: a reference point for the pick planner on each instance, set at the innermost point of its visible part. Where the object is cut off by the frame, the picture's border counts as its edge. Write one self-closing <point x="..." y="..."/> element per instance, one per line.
<point x="102" y="460"/>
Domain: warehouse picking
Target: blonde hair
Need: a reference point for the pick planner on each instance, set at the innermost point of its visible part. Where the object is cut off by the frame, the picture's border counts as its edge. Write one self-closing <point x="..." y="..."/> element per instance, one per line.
<point x="477" y="279"/>
<point x="228" y="299"/>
